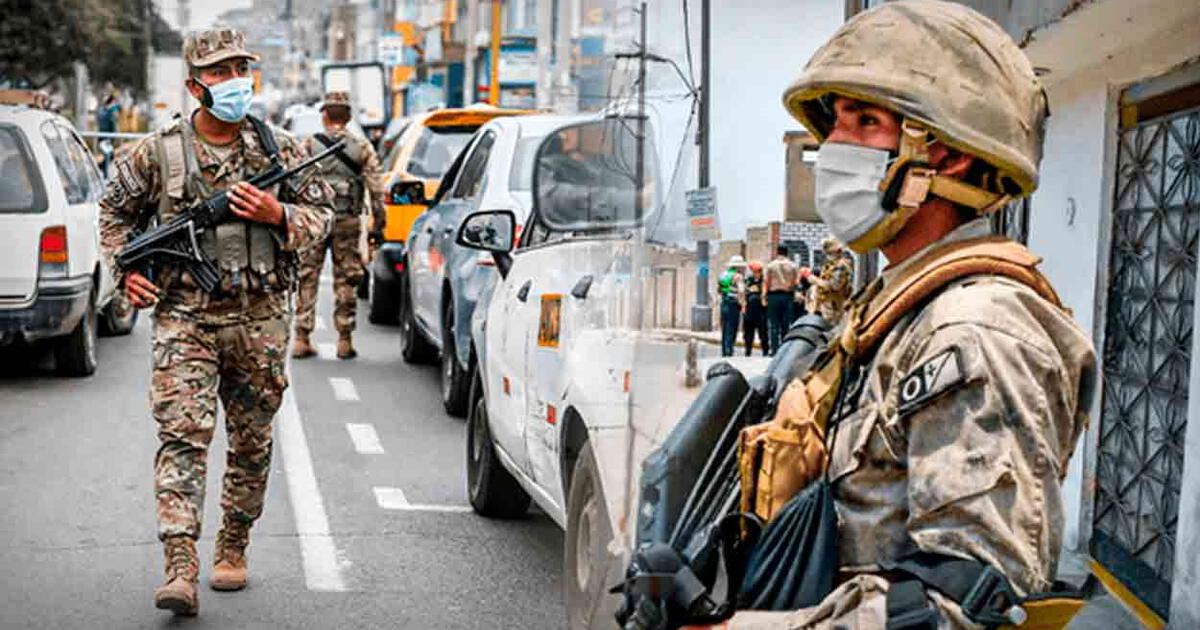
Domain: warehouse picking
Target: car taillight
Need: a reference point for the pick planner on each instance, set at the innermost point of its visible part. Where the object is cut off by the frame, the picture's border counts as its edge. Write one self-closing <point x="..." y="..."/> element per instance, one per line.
<point x="53" y="249"/>
<point x="398" y="266"/>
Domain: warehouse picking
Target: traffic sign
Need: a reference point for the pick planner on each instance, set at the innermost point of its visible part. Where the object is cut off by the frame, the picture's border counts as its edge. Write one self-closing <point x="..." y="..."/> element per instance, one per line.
<point x="703" y="224"/>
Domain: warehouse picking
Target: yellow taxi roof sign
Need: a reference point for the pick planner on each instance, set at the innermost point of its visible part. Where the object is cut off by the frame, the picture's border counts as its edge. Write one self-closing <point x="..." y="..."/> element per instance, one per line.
<point x="475" y="115"/>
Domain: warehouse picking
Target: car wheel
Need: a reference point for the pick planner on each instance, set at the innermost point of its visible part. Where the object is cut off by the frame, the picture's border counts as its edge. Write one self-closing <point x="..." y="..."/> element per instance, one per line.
<point x="589" y="571"/>
<point x="455" y="380"/>
<point x="493" y="491"/>
<point x="383" y="302"/>
<point x="114" y="323"/>
<point x="414" y="348"/>
<point x="75" y="354"/>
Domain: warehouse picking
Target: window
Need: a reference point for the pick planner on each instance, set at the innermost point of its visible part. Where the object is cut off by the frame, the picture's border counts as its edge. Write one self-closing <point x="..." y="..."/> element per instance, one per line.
<point x="470" y="182"/>
<point x="20" y="185"/>
<point x="85" y="164"/>
<point x="436" y="149"/>
<point x="74" y="177"/>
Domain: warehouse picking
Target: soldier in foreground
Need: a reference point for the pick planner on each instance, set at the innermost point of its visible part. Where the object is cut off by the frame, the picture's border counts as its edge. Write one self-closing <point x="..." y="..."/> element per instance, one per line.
<point x="956" y="412"/>
<point x="835" y="282"/>
<point x="230" y="344"/>
<point x="356" y="169"/>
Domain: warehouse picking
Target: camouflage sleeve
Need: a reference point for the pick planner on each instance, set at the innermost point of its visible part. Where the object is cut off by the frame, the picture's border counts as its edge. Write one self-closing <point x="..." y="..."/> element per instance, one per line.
<point x="308" y="206"/>
<point x="132" y="191"/>
<point x="840" y="278"/>
<point x="373" y="177"/>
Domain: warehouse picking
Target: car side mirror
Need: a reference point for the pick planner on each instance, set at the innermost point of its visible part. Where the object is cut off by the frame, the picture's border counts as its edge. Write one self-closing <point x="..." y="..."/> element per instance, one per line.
<point x="408" y="193"/>
<point x="492" y="231"/>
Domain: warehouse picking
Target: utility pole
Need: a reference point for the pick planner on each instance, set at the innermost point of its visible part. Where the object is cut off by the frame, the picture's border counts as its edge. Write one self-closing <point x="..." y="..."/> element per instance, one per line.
<point x="702" y="309"/>
<point x="470" y="85"/>
<point x="494" y="79"/>
<point x="183" y="15"/>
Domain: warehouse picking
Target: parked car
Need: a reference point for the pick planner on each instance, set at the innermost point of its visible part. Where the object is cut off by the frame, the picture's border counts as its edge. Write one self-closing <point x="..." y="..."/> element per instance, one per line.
<point x="419" y="158"/>
<point x="53" y="281"/>
<point x="442" y="281"/>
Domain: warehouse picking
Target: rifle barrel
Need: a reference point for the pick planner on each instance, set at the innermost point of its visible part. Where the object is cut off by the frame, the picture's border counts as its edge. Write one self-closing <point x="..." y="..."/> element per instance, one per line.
<point x="283" y="175"/>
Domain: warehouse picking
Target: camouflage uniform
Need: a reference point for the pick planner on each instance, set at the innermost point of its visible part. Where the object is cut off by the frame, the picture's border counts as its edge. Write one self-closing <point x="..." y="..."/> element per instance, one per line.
<point x="343" y="241"/>
<point x="837" y="278"/>
<point x="973" y="463"/>
<point x="229" y="346"/>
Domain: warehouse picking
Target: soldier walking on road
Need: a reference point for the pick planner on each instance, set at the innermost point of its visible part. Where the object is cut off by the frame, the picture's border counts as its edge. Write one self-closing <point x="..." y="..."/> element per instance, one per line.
<point x="835" y="282"/>
<point x="780" y="286"/>
<point x="964" y="382"/>
<point x="230" y="344"/>
<point x="357" y="168"/>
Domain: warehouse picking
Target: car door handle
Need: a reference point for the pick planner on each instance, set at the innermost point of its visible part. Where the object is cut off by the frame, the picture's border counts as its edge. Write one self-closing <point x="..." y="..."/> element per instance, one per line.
<point x="582" y="287"/>
<point x="523" y="292"/>
<point x="448" y="230"/>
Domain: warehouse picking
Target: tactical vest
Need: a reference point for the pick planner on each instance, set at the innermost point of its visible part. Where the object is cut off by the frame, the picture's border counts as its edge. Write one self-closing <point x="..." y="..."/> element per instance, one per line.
<point x="347" y="182"/>
<point x="248" y="254"/>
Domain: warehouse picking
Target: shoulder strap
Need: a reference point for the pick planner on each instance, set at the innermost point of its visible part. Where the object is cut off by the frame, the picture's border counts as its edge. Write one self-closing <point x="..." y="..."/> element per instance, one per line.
<point x="989" y="255"/>
<point x="340" y="154"/>
<point x="173" y="165"/>
<point x="266" y="137"/>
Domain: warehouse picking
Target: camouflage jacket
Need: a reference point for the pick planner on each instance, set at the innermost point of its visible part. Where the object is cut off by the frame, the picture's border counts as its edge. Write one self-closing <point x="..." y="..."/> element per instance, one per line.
<point x="954" y="438"/>
<point x="371" y="175"/>
<point x="133" y="194"/>
<point x="837" y="275"/>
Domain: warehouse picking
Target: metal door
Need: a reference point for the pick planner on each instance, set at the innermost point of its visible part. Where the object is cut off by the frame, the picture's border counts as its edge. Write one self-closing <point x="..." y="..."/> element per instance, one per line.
<point x="1147" y="353"/>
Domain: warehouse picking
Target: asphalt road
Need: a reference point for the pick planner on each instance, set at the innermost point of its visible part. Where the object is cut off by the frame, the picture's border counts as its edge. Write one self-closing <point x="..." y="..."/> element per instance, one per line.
<point x="366" y="522"/>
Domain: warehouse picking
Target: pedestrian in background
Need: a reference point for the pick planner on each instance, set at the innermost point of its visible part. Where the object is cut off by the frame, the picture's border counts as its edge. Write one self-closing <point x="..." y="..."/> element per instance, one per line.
<point x="356" y="169"/>
<point x="755" y="315"/>
<point x="230" y="344"/>
<point x="800" y="296"/>
<point x="732" y="287"/>
<point x="780" y="286"/>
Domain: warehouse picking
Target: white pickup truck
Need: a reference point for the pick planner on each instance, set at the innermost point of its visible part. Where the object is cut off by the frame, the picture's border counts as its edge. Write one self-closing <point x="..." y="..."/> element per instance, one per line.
<point x="573" y="388"/>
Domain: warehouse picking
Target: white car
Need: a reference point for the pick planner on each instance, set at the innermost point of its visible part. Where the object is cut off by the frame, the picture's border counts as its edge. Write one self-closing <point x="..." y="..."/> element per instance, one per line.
<point x="53" y="282"/>
<point x="572" y="388"/>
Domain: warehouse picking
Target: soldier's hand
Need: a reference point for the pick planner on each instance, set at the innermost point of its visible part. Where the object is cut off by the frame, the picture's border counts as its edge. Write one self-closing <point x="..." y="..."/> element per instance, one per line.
<point x="253" y="204"/>
<point x="141" y="292"/>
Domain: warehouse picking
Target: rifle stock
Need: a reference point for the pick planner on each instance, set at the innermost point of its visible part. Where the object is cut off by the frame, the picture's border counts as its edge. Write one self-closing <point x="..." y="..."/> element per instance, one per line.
<point x="177" y="242"/>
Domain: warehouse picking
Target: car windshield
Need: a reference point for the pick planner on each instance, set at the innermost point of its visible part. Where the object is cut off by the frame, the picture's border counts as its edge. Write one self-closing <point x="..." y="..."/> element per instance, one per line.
<point x="436" y="149"/>
<point x="20" y="189"/>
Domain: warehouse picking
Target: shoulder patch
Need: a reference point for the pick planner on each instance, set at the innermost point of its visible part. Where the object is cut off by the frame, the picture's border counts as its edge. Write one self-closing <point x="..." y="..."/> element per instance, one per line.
<point x="931" y="379"/>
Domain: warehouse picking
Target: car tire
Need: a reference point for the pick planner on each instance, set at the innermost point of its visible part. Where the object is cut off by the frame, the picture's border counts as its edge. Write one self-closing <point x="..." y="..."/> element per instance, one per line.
<point x="384" y="302"/>
<point x="493" y="491"/>
<point x="113" y="324"/>
<point x="414" y="348"/>
<point x="456" y="382"/>
<point x="589" y="572"/>
<point x="75" y="354"/>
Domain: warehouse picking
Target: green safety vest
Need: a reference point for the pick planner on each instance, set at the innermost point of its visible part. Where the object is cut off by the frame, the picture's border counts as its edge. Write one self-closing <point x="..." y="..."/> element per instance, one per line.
<point x="725" y="284"/>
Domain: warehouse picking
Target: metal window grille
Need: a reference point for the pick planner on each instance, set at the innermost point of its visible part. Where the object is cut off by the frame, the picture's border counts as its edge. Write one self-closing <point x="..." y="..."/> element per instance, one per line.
<point x="1147" y="353"/>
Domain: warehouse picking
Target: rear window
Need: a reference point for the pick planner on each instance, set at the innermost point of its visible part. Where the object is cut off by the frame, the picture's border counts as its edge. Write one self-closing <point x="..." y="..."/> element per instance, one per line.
<point x="20" y="184"/>
<point x="436" y="149"/>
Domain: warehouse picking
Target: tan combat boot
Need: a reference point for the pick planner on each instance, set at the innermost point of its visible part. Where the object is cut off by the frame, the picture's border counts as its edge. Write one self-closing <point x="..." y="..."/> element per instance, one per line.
<point x="345" y="349"/>
<point x="229" y="561"/>
<point x="179" y="594"/>
<point x="301" y="348"/>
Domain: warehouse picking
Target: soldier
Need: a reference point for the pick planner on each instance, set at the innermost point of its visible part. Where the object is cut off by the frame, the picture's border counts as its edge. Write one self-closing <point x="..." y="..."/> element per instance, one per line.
<point x="780" y="288"/>
<point x="231" y="344"/>
<point x="965" y="384"/>
<point x="834" y="284"/>
<point x="356" y="167"/>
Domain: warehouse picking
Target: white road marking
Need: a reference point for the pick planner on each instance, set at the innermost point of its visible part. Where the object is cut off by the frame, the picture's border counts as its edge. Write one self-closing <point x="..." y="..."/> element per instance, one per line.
<point x="366" y="440"/>
<point x="322" y="570"/>
<point x="394" y="499"/>
<point x="327" y="350"/>
<point x="343" y="388"/>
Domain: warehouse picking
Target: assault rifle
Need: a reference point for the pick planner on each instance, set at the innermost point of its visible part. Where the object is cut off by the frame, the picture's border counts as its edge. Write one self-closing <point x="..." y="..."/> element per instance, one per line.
<point x="176" y="242"/>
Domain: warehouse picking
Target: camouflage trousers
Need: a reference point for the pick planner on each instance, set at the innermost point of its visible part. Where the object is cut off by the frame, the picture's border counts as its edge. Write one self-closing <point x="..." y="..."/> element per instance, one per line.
<point x="347" y="273"/>
<point x="195" y="364"/>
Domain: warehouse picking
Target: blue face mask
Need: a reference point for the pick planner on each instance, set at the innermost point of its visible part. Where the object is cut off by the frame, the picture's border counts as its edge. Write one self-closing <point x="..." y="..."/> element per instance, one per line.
<point x="229" y="100"/>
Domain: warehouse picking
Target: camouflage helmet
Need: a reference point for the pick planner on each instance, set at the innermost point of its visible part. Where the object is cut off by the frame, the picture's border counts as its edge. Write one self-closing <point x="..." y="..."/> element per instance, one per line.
<point x="831" y="245"/>
<point x="943" y="66"/>
<point x="335" y="98"/>
<point x="214" y="45"/>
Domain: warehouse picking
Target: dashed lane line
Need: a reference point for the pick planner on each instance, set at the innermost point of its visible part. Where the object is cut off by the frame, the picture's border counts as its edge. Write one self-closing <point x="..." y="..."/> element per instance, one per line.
<point x="343" y="389"/>
<point x="322" y="570"/>
<point x="394" y="499"/>
<point x="366" y="440"/>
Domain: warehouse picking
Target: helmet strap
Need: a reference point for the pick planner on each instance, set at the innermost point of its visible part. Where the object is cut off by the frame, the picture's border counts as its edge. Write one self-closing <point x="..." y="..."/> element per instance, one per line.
<point x="918" y="180"/>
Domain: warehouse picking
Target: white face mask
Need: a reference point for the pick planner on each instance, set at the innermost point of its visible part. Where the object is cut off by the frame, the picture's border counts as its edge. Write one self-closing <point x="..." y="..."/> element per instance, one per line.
<point x="847" y="188"/>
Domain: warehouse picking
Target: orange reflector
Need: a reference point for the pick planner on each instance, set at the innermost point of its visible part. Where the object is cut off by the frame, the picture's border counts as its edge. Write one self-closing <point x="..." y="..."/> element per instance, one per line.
<point x="486" y="262"/>
<point x="626" y="381"/>
<point x="504" y="384"/>
<point x="551" y="415"/>
<point x="54" y="244"/>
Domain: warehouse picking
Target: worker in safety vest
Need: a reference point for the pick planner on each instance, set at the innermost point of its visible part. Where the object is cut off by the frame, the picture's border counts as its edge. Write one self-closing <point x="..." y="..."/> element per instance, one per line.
<point x="732" y="287"/>
<point x="963" y="383"/>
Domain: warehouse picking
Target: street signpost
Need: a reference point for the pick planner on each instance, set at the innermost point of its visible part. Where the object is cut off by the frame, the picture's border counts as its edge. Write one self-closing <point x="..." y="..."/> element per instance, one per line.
<point x="702" y="214"/>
